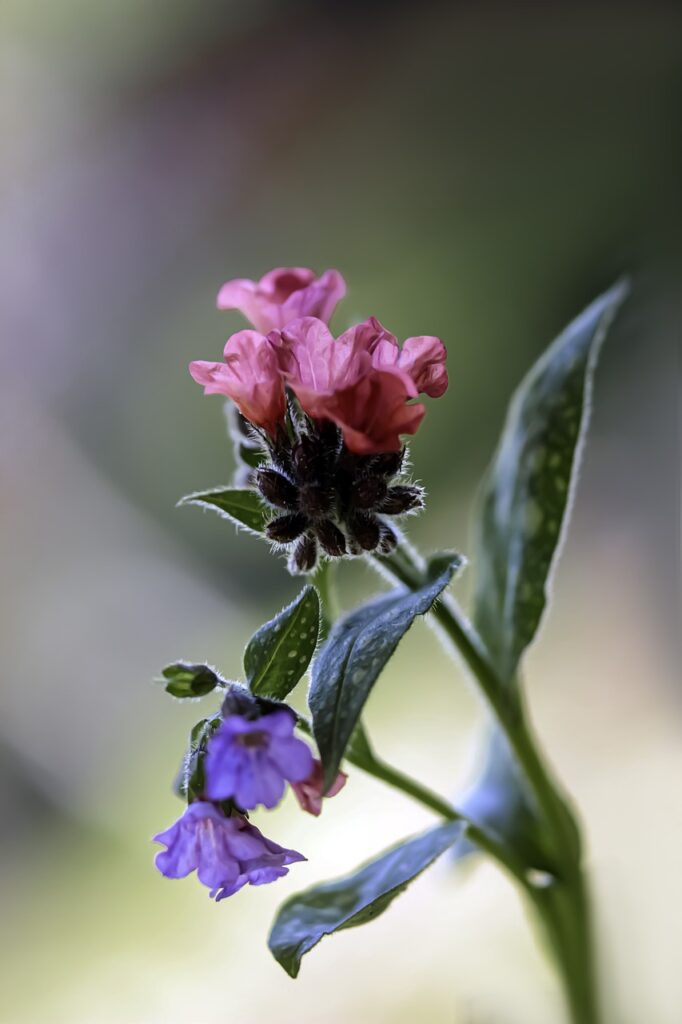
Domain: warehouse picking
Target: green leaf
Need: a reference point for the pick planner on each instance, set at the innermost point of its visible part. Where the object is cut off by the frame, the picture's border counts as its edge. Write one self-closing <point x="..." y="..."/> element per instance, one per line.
<point x="359" y="750"/>
<point x="497" y="803"/>
<point x="190" y="783"/>
<point x="355" y="652"/>
<point x="530" y="485"/>
<point x="356" y="899"/>
<point x="526" y="501"/>
<point x="278" y="655"/>
<point x="185" y="680"/>
<point x="240" y="505"/>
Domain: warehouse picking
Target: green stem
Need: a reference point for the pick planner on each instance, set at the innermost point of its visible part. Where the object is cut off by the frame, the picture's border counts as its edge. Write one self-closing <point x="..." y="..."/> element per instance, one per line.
<point x="563" y="905"/>
<point x="565" y="913"/>
<point x="505" y="702"/>
<point x="399" y="780"/>
<point x="323" y="579"/>
<point x="406" y="784"/>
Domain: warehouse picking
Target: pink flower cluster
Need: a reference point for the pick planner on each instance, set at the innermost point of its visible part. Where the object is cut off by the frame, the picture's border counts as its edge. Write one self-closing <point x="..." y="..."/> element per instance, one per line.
<point x="362" y="381"/>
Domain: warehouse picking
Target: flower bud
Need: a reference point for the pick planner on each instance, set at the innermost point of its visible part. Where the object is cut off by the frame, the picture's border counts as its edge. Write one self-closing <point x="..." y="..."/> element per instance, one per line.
<point x="303" y="558"/>
<point x="388" y="540"/>
<point x="402" y="499"/>
<point x="365" y="529"/>
<point x="277" y="489"/>
<point x="331" y="538"/>
<point x="370" y="492"/>
<point x="286" y="528"/>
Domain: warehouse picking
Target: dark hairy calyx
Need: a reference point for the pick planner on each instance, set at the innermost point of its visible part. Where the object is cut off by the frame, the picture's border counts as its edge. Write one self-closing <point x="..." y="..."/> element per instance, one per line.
<point x="329" y="499"/>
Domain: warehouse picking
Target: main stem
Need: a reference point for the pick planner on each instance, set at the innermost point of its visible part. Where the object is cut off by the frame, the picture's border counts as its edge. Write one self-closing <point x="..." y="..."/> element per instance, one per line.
<point x="563" y="906"/>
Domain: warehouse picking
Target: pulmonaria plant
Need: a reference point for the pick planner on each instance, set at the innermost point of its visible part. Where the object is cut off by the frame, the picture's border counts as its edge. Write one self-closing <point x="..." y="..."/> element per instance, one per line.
<point x="319" y="425"/>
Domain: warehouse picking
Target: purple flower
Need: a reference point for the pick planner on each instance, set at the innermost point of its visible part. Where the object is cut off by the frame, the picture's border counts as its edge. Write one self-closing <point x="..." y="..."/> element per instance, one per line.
<point x="226" y="852"/>
<point x="250" y="761"/>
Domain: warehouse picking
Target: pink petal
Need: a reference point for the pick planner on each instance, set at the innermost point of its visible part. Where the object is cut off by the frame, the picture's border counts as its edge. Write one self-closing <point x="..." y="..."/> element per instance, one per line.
<point x="234" y="294"/>
<point x="211" y="376"/>
<point x="306" y="355"/>
<point x="318" y="298"/>
<point x="250" y="376"/>
<point x="424" y="358"/>
<point x="283" y="295"/>
<point x="309" y="792"/>
<point x="280" y="283"/>
<point x="373" y="413"/>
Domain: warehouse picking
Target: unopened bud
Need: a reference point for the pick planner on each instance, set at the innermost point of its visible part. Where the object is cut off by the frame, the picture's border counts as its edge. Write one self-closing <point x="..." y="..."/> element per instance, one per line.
<point x="369" y="492"/>
<point x="304" y="556"/>
<point x="308" y="458"/>
<point x="330" y="537"/>
<point x="365" y="530"/>
<point x="286" y="528"/>
<point x="401" y="499"/>
<point x="388" y="540"/>
<point x="277" y="489"/>
<point x="388" y="464"/>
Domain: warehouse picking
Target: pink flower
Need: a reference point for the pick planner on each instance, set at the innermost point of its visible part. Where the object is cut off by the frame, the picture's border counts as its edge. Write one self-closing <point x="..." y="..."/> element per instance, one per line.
<point x="283" y="295"/>
<point x="422" y="358"/>
<point x="250" y="376"/>
<point x="309" y="793"/>
<point x="372" y="414"/>
<point x="362" y="381"/>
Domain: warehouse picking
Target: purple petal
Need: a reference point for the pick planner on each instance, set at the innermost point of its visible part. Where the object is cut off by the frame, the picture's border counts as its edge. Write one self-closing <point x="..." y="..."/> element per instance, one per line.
<point x="292" y="758"/>
<point x="259" y="783"/>
<point x="279" y="723"/>
<point x="223" y="766"/>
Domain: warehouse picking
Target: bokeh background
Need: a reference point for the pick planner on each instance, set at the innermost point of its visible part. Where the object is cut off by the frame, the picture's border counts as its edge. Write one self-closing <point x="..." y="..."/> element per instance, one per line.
<point x="475" y="172"/>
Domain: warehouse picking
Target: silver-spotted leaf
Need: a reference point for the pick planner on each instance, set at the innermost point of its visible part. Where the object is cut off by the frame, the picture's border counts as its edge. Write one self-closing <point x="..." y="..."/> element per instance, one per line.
<point x="278" y="654"/>
<point x="526" y="500"/>
<point x="354" y="654"/>
<point x="528" y="489"/>
<point x="356" y="899"/>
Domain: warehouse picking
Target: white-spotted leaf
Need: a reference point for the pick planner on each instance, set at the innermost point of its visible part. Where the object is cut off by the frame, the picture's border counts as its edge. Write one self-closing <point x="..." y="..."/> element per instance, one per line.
<point x="356" y="899"/>
<point x="278" y="654"/>
<point x="528" y="490"/>
<point x="354" y="654"/>
<point x="525" y="504"/>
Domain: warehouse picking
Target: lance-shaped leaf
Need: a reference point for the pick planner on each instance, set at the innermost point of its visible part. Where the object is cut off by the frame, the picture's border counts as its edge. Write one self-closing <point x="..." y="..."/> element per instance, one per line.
<point x="356" y="899"/>
<point x="530" y="485"/>
<point x="526" y="501"/>
<point x="279" y="653"/>
<point x="184" y="680"/>
<point x="355" y="652"/>
<point x="240" y="505"/>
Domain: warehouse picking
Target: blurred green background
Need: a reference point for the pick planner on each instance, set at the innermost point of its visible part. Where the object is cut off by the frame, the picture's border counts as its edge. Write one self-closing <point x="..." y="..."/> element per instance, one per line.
<point x="479" y="173"/>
